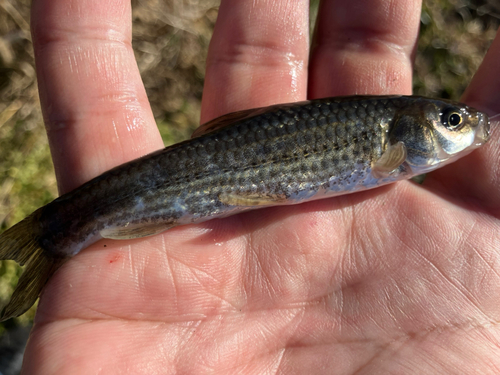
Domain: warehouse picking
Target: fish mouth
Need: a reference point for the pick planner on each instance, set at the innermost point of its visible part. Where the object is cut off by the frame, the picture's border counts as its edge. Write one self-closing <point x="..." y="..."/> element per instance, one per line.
<point x="483" y="130"/>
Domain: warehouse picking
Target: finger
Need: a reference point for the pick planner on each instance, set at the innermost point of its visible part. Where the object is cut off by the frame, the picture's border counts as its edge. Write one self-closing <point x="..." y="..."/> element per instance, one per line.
<point x="363" y="47"/>
<point x="258" y="56"/>
<point x="95" y="107"/>
<point x="477" y="176"/>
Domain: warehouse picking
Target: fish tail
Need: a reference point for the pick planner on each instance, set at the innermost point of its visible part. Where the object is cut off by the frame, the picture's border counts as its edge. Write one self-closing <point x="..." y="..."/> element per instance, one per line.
<point x="21" y="244"/>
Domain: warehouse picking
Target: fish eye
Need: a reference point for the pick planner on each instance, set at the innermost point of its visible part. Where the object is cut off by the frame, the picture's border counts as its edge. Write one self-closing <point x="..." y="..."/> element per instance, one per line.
<point x="452" y="119"/>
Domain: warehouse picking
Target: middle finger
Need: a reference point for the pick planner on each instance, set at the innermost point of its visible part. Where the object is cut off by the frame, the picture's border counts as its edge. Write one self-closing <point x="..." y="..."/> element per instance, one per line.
<point x="257" y="56"/>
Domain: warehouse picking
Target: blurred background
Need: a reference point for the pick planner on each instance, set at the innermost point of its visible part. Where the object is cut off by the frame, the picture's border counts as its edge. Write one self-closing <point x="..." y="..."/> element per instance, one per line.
<point x="170" y="39"/>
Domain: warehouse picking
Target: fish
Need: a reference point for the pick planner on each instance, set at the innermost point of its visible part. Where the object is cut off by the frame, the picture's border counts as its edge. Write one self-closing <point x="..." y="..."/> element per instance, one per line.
<point x="277" y="155"/>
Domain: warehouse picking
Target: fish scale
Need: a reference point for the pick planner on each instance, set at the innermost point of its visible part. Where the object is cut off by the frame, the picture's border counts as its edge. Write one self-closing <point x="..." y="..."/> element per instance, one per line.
<point x="282" y="154"/>
<point x="188" y="169"/>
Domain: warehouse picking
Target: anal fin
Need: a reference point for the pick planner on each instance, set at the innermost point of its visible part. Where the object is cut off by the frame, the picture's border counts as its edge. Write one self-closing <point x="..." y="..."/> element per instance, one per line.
<point x="136" y="230"/>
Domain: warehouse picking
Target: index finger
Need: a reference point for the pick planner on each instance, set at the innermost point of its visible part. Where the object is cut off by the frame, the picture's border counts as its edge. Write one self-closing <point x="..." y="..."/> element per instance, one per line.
<point x="95" y="107"/>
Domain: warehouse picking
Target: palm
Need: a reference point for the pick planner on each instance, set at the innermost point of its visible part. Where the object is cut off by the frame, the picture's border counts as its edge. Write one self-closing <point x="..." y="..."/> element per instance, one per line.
<point x="396" y="280"/>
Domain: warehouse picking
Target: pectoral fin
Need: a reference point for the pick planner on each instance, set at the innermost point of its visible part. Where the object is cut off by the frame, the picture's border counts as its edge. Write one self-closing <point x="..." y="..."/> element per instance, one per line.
<point x="393" y="157"/>
<point x="135" y="230"/>
<point x="252" y="199"/>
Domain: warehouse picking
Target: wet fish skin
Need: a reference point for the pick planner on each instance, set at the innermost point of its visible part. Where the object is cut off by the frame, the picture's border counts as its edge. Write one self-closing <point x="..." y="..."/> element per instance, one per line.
<point x="283" y="154"/>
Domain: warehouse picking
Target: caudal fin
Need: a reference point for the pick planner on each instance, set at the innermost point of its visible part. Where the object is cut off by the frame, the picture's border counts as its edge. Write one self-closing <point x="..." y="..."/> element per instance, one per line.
<point x="20" y="243"/>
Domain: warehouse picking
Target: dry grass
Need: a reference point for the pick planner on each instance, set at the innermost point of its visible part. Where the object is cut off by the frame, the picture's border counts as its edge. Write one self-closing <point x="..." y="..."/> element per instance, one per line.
<point x="454" y="36"/>
<point x="171" y="38"/>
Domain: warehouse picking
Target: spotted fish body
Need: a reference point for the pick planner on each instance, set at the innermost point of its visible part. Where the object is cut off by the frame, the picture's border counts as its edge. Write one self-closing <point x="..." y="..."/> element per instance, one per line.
<point x="283" y="154"/>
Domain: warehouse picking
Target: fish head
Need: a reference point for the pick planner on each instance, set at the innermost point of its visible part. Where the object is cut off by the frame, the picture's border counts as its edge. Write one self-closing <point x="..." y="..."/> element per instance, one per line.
<point x="437" y="132"/>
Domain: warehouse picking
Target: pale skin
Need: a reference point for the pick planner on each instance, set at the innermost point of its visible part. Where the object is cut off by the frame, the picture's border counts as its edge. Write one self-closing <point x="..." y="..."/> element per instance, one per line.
<point x="404" y="279"/>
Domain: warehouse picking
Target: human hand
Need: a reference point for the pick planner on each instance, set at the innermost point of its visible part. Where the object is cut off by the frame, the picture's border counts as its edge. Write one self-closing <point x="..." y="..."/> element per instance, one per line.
<point x="400" y="279"/>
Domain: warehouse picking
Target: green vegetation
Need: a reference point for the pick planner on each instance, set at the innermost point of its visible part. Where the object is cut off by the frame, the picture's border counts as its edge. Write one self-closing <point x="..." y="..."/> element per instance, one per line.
<point x="171" y="38"/>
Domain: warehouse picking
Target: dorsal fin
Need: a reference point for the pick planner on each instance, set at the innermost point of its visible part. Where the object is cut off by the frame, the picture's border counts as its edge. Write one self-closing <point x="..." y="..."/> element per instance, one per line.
<point x="225" y="120"/>
<point x="231" y="118"/>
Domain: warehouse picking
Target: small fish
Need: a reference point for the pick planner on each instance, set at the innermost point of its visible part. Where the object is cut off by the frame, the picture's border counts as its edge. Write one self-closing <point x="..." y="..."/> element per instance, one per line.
<point x="282" y="154"/>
